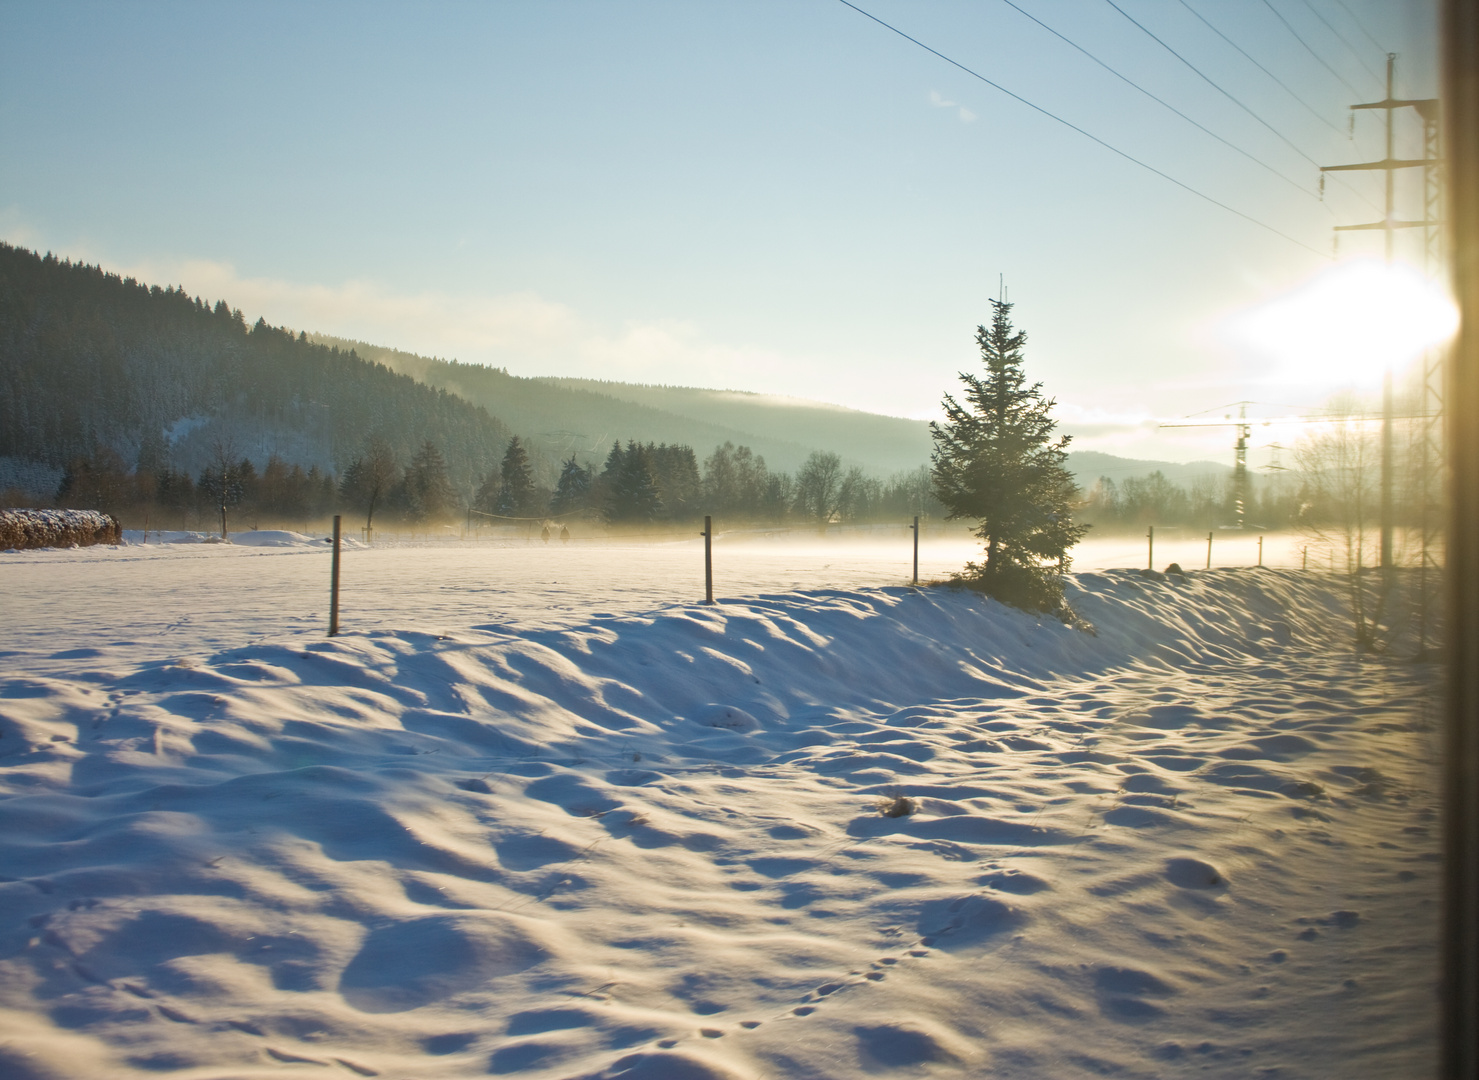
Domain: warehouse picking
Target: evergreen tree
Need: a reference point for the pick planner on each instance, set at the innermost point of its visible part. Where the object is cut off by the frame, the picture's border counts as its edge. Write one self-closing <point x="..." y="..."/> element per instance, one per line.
<point x="996" y="462"/>
<point x="573" y="490"/>
<point x="429" y="494"/>
<point x="516" y="495"/>
<point x="486" y="499"/>
<point x="675" y="471"/>
<point x="634" y="496"/>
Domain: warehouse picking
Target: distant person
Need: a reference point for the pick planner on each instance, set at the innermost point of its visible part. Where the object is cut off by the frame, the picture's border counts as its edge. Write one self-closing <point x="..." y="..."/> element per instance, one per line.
<point x="544" y="534"/>
<point x="564" y="535"/>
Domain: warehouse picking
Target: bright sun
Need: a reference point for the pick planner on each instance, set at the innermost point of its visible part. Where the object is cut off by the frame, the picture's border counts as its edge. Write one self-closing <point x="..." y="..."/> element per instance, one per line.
<point x="1349" y="324"/>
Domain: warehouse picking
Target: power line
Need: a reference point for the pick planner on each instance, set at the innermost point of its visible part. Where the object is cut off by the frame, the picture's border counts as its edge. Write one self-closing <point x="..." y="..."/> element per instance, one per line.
<point x="1108" y="146"/>
<point x="1354" y="52"/>
<point x="1208" y="79"/>
<point x="1350" y="187"/>
<point x="1313" y="111"/>
<point x="1161" y="101"/>
<point x="1362" y="27"/>
<point x="1308" y="49"/>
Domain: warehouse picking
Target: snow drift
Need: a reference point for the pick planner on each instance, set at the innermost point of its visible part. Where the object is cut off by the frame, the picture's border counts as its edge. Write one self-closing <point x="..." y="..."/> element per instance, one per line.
<point x="650" y="845"/>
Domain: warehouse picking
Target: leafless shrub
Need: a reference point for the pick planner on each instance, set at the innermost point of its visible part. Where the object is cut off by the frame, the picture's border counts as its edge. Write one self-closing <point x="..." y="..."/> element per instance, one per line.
<point x="898" y="806"/>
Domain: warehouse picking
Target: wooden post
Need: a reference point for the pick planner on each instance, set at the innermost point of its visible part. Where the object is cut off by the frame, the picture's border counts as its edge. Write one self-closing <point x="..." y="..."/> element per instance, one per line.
<point x="1209" y="551"/>
<point x="1304" y="558"/>
<point x="915" y="527"/>
<point x="708" y="535"/>
<point x="1150" y="558"/>
<point x="334" y="583"/>
<point x="1260" y="551"/>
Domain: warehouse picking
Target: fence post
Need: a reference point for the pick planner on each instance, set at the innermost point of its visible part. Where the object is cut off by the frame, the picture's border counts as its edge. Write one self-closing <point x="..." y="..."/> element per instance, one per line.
<point x="708" y="535"/>
<point x="1260" y="551"/>
<point x="915" y="527"/>
<point x="334" y="583"/>
<point x="1209" y="551"/>
<point x="1304" y="558"/>
<point x="1150" y="557"/>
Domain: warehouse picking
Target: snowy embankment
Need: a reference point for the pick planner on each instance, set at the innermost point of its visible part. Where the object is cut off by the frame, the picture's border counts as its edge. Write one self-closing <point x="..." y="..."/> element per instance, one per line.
<point x="650" y="846"/>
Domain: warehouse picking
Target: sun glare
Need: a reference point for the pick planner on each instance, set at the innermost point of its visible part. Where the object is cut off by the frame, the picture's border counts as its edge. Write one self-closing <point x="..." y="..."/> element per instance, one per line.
<point x="1348" y="325"/>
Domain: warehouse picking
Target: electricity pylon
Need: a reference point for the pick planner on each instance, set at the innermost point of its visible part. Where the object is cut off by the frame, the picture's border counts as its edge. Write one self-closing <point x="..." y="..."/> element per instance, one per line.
<point x="1427" y="110"/>
<point x="1240" y="454"/>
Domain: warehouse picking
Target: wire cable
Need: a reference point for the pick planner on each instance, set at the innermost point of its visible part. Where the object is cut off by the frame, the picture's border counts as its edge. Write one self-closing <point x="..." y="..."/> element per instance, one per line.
<point x="1208" y="80"/>
<point x="1342" y="39"/>
<point x="1338" y="177"/>
<point x="1108" y="146"/>
<point x="1161" y="101"/>
<point x="1278" y="15"/>
<point x="1362" y="27"/>
<point x="1313" y="111"/>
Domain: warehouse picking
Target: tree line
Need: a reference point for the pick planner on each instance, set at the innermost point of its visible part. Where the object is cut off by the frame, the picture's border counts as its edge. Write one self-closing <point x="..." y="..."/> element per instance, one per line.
<point x="637" y="484"/>
<point x="1209" y="502"/>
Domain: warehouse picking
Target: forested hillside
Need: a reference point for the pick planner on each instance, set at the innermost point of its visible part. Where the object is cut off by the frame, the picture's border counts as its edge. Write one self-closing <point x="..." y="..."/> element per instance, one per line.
<point x="560" y="417"/>
<point x="93" y="361"/>
<point x="881" y="444"/>
<point x="148" y="402"/>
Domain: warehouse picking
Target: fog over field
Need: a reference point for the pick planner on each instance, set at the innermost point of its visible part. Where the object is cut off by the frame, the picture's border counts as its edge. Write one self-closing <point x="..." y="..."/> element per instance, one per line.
<point x="1050" y="393"/>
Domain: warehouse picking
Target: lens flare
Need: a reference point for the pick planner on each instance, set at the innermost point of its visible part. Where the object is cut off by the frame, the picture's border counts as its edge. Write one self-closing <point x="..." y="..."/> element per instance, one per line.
<point x="1348" y="325"/>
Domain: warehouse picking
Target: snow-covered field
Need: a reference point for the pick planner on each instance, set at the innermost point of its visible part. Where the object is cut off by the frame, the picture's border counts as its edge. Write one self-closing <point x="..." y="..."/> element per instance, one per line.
<point x="537" y="813"/>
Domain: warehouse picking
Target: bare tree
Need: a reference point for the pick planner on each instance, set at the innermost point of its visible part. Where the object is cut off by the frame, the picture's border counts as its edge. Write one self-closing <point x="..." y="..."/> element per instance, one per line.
<point x="221" y="481"/>
<point x="1339" y="466"/>
<point x="818" y="486"/>
<point x="369" y="478"/>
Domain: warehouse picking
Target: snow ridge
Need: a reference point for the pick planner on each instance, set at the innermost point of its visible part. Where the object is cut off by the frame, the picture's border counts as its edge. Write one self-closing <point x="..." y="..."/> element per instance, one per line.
<point x="650" y="845"/>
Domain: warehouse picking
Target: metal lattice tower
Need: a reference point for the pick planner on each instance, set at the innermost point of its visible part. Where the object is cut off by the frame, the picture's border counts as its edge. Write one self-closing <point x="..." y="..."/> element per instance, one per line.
<point x="1430" y="450"/>
<point x="1388" y="225"/>
<point x="1426" y="445"/>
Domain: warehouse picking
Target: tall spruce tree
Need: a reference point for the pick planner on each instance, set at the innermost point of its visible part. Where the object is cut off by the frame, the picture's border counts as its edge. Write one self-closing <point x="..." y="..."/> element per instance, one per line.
<point x="430" y="496"/>
<point x="634" y="495"/>
<point x="572" y="493"/>
<point x="517" y="492"/>
<point x="996" y="462"/>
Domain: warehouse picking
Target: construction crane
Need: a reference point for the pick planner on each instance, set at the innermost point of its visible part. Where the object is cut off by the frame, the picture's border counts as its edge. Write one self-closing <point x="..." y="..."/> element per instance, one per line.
<point x="1240" y="452"/>
<point x="1244" y="428"/>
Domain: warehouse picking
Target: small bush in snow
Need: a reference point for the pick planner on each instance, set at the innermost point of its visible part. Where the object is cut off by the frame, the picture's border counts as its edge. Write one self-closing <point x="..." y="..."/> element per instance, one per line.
<point x="899" y="806"/>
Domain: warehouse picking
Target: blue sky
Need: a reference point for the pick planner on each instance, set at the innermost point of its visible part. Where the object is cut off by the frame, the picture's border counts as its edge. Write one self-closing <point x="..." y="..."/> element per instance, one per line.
<point x="780" y="197"/>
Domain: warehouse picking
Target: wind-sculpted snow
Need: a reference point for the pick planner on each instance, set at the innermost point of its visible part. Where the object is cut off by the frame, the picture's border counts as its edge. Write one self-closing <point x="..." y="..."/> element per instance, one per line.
<point x="651" y="845"/>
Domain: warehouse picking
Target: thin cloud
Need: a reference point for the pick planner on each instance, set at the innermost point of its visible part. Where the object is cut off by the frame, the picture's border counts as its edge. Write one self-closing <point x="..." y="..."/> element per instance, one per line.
<point x="522" y="331"/>
<point x="939" y="102"/>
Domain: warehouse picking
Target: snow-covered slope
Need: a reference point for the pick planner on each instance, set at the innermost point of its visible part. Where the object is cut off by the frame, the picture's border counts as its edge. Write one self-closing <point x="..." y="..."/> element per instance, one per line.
<point x="651" y="845"/>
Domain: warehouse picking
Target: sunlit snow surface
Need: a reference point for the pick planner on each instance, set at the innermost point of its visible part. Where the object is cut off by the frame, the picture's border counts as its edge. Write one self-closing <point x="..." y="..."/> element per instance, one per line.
<point x="537" y="814"/>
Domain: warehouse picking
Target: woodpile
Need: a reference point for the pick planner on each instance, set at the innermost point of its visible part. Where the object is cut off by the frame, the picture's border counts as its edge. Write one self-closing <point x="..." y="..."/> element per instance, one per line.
<point x="57" y="528"/>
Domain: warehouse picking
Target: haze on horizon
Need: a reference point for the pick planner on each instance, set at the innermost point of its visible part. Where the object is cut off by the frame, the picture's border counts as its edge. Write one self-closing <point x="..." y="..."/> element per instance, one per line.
<point x="780" y="198"/>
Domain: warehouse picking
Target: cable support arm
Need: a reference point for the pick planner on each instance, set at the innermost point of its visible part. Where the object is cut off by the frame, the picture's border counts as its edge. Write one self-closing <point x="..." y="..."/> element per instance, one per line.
<point x="1422" y="105"/>
<point x="1372" y="225"/>
<point x="1387" y="163"/>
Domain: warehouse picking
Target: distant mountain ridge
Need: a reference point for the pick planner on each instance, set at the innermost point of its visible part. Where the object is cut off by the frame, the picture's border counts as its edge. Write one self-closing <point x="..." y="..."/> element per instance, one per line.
<point x="562" y="414"/>
<point x="89" y="358"/>
<point x="584" y="416"/>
